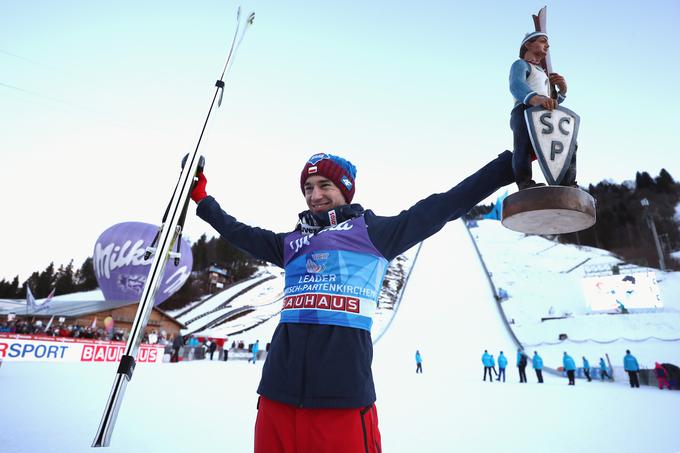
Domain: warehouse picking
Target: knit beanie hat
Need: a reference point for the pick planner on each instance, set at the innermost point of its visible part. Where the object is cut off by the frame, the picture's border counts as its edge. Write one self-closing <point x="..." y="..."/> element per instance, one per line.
<point x="528" y="37"/>
<point x="340" y="171"/>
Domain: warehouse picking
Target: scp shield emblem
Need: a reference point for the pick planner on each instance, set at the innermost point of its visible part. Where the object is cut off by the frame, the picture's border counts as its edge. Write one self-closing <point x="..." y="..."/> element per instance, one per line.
<point x="553" y="135"/>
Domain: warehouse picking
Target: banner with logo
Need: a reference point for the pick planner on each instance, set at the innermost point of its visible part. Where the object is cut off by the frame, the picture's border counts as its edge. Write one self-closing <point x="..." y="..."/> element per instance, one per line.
<point x="31" y="348"/>
<point x="121" y="269"/>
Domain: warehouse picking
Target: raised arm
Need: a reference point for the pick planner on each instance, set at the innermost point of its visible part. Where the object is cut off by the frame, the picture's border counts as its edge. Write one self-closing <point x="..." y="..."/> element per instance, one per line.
<point x="394" y="235"/>
<point x="257" y="242"/>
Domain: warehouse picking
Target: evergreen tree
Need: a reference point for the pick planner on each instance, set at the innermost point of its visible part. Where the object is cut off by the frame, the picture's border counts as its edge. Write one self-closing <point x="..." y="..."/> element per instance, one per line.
<point x="6" y="291"/>
<point x="200" y="253"/>
<point x="192" y="289"/>
<point x="65" y="279"/>
<point x="85" y="278"/>
<point x="643" y="181"/>
<point x="14" y="287"/>
<point x="31" y="282"/>
<point x="239" y="264"/>
<point x="621" y="221"/>
<point x="45" y="282"/>
<point x="665" y="181"/>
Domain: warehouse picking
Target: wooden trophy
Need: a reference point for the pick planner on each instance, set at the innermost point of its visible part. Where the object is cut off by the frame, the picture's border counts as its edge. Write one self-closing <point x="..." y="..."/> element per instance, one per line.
<point x="560" y="207"/>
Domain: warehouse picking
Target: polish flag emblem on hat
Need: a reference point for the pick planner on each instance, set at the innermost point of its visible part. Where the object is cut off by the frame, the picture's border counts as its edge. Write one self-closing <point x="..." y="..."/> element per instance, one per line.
<point x="312" y="170"/>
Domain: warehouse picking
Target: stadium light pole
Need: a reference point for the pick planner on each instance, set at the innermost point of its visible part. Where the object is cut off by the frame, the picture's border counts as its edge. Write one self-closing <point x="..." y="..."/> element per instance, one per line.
<point x="650" y="222"/>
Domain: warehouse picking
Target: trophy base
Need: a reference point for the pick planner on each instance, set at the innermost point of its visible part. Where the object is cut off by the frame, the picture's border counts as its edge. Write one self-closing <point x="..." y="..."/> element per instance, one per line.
<point x="549" y="210"/>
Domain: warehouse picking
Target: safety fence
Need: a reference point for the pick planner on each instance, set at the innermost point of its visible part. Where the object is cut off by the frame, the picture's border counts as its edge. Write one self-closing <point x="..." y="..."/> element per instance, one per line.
<point x="188" y="353"/>
<point x="592" y="340"/>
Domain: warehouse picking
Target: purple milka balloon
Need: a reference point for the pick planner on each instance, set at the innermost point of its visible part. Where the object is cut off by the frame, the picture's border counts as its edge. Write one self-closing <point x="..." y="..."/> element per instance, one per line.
<point x="120" y="266"/>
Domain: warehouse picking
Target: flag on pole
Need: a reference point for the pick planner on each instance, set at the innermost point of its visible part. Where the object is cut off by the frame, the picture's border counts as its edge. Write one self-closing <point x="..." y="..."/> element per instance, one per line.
<point x="47" y="301"/>
<point x="49" y="323"/>
<point x="94" y="323"/>
<point x="496" y="212"/>
<point x="30" y="300"/>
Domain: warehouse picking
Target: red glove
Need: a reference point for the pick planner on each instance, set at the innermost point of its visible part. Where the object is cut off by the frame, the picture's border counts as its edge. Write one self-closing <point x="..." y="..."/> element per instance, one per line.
<point x="199" y="192"/>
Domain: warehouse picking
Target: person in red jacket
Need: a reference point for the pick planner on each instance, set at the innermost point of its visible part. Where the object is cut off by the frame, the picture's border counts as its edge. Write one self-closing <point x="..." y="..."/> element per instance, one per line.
<point x="661" y="376"/>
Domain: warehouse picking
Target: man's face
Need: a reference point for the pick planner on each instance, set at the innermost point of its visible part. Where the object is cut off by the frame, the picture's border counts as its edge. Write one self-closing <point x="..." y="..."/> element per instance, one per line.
<point x="539" y="47"/>
<point x="322" y="195"/>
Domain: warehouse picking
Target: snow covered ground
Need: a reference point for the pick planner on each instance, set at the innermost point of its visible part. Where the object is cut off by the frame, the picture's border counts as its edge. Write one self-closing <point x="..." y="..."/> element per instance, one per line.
<point x="447" y="312"/>
<point x="540" y="275"/>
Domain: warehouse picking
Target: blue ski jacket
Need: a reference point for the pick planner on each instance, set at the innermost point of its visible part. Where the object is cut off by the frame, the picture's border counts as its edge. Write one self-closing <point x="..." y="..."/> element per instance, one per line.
<point x="630" y="363"/>
<point x="502" y="361"/>
<point x="586" y="364"/>
<point x="486" y="359"/>
<point x="568" y="362"/>
<point x="318" y="359"/>
<point x="603" y="366"/>
<point x="537" y="362"/>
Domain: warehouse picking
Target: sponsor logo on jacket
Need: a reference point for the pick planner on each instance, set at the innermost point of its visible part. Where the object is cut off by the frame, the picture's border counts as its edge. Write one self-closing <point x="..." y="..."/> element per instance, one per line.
<point x="297" y="244"/>
<point x="323" y="302"/>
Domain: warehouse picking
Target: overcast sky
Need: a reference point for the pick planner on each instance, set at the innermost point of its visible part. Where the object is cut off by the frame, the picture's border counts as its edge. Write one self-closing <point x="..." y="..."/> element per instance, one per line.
<point x="100" y="100"/>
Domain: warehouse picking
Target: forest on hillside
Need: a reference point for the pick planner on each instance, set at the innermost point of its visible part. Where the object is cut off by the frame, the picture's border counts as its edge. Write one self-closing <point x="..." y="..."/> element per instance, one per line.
<point x="623" y="223"/>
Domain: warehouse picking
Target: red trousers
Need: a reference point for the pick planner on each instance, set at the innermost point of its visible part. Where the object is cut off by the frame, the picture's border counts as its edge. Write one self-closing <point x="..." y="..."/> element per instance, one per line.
<point x="663" y="382"/>
<point x="282" y="428"/>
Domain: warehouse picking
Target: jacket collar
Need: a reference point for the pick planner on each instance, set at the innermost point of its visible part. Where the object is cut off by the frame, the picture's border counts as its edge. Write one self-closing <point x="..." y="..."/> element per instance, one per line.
<point x="310" y="223"/>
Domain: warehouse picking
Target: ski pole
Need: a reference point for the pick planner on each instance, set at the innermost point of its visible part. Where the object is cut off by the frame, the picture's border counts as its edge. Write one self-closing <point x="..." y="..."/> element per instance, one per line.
<point x="169" y="233"/>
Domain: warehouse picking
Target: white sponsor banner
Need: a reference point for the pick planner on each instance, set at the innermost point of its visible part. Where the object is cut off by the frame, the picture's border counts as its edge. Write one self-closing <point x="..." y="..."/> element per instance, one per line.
<point x="30" y="348"/>
<point x="633" y="291"/>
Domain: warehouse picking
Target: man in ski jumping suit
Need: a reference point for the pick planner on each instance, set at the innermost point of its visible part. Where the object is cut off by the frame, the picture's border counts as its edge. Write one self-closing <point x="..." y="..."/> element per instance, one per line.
<point x="530" y="86"/>
<point x="316" y="391"/>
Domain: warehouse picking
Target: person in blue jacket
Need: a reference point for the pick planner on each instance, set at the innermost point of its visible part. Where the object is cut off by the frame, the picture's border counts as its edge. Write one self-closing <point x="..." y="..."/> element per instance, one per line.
<point x="586" y="368"/>
<point x="419" y="362"/>
<point x="487" y="361"/>
<point x="502" y="363"/>
<point x="530" y="86"/>
<point x="569" y="366"/>
<point x="522" y="365"/>
<point x="317" y="376"/>
<point x="537" y="363"/>
<point x="255" y="350"/>
<point x="603" y="370"/>
<point x="630" y="365"/>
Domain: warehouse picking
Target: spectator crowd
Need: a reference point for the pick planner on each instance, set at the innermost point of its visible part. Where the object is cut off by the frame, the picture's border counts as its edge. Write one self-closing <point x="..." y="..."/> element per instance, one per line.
<point x="38" y="328"/>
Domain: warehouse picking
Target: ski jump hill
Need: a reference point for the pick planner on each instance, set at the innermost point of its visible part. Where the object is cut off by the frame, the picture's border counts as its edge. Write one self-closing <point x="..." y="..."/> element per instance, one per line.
<point x="448" y="312"/>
